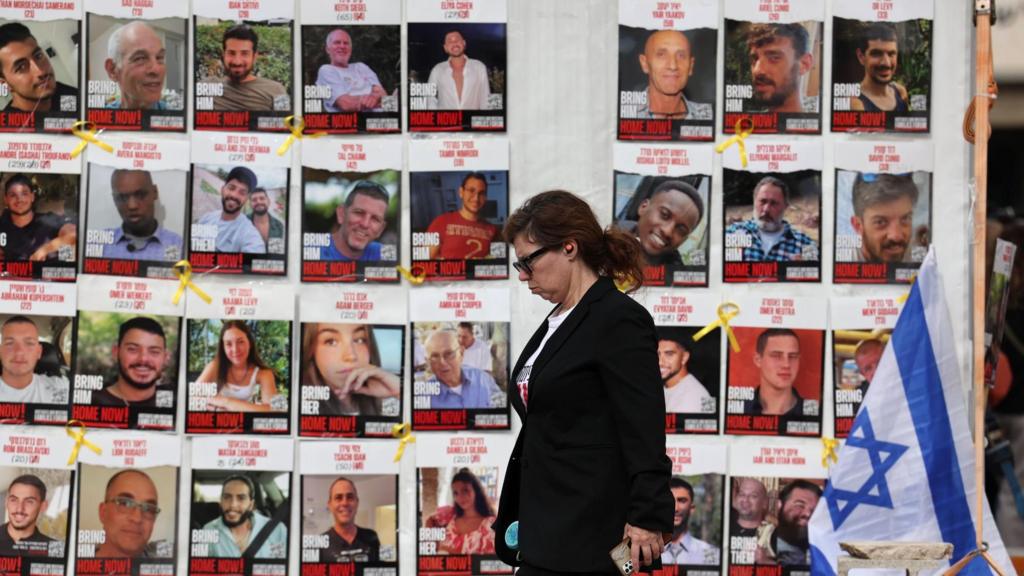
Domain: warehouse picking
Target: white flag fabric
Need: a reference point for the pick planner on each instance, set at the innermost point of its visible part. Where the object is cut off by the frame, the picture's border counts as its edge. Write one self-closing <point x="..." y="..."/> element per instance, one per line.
<point x="906" y="471"/>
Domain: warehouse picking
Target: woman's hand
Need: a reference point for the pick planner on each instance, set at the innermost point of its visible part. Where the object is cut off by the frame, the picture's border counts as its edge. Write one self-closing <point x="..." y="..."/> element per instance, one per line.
<point x="643" y="543"/>
<point x="218" y="403"/>
<point x="369" y="381"/>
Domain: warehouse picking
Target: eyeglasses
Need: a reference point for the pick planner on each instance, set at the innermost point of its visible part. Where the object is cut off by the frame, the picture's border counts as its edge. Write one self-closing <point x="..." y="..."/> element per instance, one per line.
<point x="126" y="505"/>
<point x="524" y="264"/>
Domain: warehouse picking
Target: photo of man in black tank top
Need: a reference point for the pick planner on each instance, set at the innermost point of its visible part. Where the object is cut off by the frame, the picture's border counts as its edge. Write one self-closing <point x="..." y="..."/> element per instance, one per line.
<point x="878" y="53"/>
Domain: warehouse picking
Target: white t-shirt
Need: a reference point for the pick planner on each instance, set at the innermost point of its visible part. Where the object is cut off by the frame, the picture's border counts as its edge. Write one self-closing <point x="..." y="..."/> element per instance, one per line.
<point x="42" y="390"/>
<point x="687" y="397"/>
<point x="523" y="376"/>
<point x="478" y="355"/>
<point x="355" y="80"/>
<point x="769" y="239"/>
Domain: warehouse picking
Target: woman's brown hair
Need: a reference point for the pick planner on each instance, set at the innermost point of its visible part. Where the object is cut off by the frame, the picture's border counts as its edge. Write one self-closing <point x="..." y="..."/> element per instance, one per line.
<point x="556" y="216"/>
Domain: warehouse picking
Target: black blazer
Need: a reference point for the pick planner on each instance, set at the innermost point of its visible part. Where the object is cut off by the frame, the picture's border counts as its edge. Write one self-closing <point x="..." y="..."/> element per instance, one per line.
<point x="591" y="453"/>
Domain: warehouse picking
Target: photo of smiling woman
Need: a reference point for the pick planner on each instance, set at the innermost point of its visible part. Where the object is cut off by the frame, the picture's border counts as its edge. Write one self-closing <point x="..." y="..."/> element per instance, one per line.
<point x="245" y="383"/>
<point x="347" y="360"/>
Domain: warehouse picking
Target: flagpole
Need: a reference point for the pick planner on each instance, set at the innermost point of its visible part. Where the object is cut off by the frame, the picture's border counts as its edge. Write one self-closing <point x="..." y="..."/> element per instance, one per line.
<point x="983" y="88"/>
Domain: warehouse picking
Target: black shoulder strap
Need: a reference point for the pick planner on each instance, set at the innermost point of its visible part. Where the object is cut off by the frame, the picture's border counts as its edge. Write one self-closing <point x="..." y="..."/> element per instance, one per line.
<point x="261" y="538"/>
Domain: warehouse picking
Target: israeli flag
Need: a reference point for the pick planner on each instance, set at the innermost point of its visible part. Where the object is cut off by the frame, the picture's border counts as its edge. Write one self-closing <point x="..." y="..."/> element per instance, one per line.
<point x="906" y="472"/>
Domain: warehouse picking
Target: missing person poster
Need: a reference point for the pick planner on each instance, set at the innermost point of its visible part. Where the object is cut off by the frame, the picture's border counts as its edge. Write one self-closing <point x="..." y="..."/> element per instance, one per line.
<point x="238" y="365"/>
<point x="458" y="481"/>
<point x="883" y="211"/>
<point x="127" y="344"/>
<point x="136" y="54"/>
<point x="881" y="66"/>
<point x="37" y="327"/>
<point x="459" y="189"/>
<point x="128" y="504"/>
<point x="458" y="65"/>
<point x="690" y="369"/>
<point x="663" y="198"/>
<point x="774" y="490"/>
<point x="349" y="498"/>
<point x="43" y="97"/>
<point x="351" y="210"/>
<point x="135" y="208"/>
<point x="37" y="485"/>
<point x="240" y="506"/>
<point x="39" y="222"/>
<point x="668" y="55"/>
<point x="773" y="66"/>
<point x="861" y="327"/>
<point x="460" y="358"/>
<point x="774" y="383"/>
<point x="773" y="213"/>
<point x="352" y="67"/>
<point x="351" y="360"/>
<point x="698" y="492"/>
<point x="239" y="204"/>
<point x="244" y="65"/>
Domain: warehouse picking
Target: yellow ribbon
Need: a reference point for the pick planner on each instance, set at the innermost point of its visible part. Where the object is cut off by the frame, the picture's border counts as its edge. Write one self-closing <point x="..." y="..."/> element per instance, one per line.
<point x="89" y="135"/>
<point x="738" y="138"/>
<point x="726" y="311"/>
<point x="183" y="270"/>
<point x="412" y="277"/>
<point x="295" y="126"/>
<point x="402" y="432"/>
<point x="828" y="451"/>
<point x="622" y="285"/>
<point x="79" y="437"/>
<point x="902" y="299"/>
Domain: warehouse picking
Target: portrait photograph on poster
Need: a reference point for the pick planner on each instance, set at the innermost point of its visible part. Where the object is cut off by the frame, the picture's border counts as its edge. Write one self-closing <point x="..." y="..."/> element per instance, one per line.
<point x="136" y="73"/>
<point x="881" y="75"/>
<point x="47" y="102"/>
<point x="127" y="368"/>
<point x="772" y="226"/>
<point x="238" y="521"/>
<point x="436" y="51"/>
<point x="855" y="357"/>
<point x="456" y="220"/>
<point x="669" y="216"/>
<point x="774" y="385"/>
<point x="350" y="377"/>
<point x="457" y="507"/>
<point x="36" y="519"/>
<point x="883" y="226"/>
<point x="239" y="219"/>
<point x="350" y="519"/>
<point x="351" y="78"/>
<point x="690" y="377"/>
<point x="697" y="524"/>
<point x="350" y="225"/>
<point x="768" y="522"/>
<point x="135" y="221"/>
<point x="243" y="74"/>
<point x="460" y="375"/>
<point x="39" y="225"/>
<point x="36" y="362"/>
<point x="773" y="76"/>
<point x="127" y="520"/>
<point x="667" y="83"/>
<point x="239" y="376"/>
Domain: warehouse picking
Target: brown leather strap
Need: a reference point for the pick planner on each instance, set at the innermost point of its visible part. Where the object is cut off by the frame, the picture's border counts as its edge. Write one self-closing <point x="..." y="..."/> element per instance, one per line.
<point x="983" y="68"/>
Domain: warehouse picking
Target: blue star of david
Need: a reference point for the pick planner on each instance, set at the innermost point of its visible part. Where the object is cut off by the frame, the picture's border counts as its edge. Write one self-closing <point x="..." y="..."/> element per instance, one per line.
<point x="875" y="491"/>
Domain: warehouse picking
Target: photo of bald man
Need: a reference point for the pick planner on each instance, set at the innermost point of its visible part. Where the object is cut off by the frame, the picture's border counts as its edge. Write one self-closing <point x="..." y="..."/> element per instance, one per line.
<point x="666" y="75"/>
<point x="136" y="72"/>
